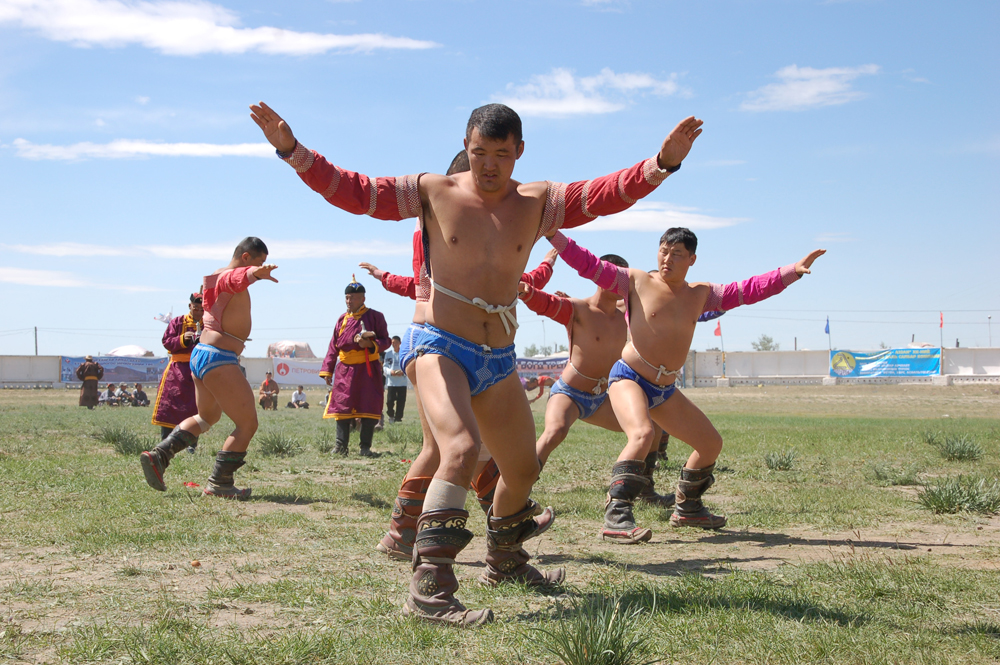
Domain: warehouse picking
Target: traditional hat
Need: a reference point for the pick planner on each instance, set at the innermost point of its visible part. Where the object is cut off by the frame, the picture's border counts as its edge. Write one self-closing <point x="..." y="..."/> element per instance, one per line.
<point x="354" y="287"/>
<point x="88" y="357"/>
<point x="196" y="297"/>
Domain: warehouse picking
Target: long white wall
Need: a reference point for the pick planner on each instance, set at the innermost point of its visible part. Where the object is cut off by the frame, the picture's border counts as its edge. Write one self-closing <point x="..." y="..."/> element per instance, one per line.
<point x="703" y="368"/>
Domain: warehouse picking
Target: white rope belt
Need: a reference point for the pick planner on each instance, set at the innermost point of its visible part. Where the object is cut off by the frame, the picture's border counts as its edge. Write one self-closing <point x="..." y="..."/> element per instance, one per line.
<point x="659" y="370"/>
<point x="503" y="310"/>
<point x="602" y="382"/>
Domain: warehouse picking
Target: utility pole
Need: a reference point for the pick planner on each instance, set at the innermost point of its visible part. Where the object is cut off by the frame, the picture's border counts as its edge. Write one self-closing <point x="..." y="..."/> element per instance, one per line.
<point x="36" y="340"/>
<point x="989" y="328"/>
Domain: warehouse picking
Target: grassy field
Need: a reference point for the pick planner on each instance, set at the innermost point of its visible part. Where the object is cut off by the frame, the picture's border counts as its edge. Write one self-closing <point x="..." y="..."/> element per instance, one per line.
<point x="830" y="554"/>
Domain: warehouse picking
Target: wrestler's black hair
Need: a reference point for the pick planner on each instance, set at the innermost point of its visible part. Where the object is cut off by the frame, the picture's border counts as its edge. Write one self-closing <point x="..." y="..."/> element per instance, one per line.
<point x="251" y="245"/>
<point x="615" y="259"/>
<point x="495" y="121"/>
<point x="396" y="337"/>
<point x="460" y="164"/>
<point x="681" y="235"/>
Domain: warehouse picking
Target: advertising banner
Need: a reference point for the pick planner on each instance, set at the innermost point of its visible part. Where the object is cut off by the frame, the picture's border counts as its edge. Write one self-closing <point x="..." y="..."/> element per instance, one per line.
<point x="296" y="372"/>
<point x="117" y="369"/>
<point x="530" y="367"/>
<point x="889" y="362"/>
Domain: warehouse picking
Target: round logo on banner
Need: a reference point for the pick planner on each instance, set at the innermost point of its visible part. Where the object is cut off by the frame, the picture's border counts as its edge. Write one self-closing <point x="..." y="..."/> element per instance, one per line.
<point x="282" y="369"/>
<point x="843" y="363"/>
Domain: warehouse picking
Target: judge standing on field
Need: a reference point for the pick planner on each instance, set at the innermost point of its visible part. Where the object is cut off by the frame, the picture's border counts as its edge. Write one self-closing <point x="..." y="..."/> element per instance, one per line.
<point x="90" y="373"/>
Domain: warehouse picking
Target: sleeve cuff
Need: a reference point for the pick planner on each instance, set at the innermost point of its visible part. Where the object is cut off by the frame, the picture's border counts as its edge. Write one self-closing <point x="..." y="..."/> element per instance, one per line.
<point x="788" y="274"/>
<point x="559" y="241"/>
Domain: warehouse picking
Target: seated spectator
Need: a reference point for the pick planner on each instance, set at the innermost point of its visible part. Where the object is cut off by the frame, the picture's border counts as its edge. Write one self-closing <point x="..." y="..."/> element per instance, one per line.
<point x="269" y="393"/>
<point x="123" y="395"/>
<point x="298" y="400"/>
<point x="139" y="396"/>
<point x="109" y="397"/>
<point x="326" y="398"/>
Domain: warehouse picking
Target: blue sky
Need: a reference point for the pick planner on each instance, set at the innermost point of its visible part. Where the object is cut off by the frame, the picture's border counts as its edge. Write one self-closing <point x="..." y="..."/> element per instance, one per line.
<point x="130" y="166"/>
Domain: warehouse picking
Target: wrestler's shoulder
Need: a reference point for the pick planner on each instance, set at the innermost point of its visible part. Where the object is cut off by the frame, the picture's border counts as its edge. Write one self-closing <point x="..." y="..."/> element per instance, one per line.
<point x="533" y="190"/>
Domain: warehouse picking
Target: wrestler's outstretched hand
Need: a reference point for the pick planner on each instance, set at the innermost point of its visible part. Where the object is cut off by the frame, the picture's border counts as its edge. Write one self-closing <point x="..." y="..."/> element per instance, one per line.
<point x="264" y="272"/>
<point x="276" y="130"/>
<point x="802" y="267"/>
<point x="551" y="256"/>
<point x="372" y="270"/>
<point x="522" y="289"/>
<point x="678" y="143"/>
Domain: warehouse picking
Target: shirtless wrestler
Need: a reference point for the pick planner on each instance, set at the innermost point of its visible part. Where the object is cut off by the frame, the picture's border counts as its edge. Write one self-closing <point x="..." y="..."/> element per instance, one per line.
<point x="220" y="387"/>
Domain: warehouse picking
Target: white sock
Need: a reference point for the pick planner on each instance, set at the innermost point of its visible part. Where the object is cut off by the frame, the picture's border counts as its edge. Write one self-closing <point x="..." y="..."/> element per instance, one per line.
<point x="442" y="495"/>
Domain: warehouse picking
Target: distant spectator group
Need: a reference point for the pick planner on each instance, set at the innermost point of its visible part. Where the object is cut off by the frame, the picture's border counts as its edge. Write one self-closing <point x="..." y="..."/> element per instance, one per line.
<point x="120" y="396"/>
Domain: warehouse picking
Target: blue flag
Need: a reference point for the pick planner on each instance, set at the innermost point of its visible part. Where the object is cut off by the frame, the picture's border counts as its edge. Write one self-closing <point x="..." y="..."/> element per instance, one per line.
<point x="827" y="331"/>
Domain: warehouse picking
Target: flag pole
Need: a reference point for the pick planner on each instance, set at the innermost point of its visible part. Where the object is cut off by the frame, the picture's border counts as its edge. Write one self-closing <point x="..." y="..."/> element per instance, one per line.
<point x="722" y="341"/>
<point x="941" y="330"/>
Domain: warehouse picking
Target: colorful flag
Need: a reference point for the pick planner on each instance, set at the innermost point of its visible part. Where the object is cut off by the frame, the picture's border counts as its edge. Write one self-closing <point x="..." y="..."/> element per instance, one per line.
<point x="718" y="329"/>
<point x="942" y="320"/>
<point x="827" y="330"/>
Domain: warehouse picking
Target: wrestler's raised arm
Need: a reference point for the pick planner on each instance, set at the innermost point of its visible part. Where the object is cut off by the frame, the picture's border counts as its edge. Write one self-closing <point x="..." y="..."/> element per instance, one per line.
<point x="398" y="284"/>
<point x="605" y="274"/>
<point x="382" y="198"/>
<point x="541" y="275"/>
<point x="749" y="291"/>
<point x="545" y="304"/>
<point x="577" y="203"/>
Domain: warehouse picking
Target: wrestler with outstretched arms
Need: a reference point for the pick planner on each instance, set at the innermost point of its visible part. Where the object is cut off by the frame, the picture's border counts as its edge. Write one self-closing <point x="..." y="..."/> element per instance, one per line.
<point x="480" y="227"/>
<point x="219" y="384"/>
<point x="661" y="311"/>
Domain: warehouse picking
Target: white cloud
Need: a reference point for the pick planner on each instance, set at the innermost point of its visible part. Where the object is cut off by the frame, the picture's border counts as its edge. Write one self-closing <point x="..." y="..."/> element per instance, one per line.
<point x="129" y="149"/>
<point x="280" y="250"/>
<point x="658" y="217"/>
<point x="178" y="27"/>
<point x="561" y="93"/>
<point x="142" y="100"/>
<point x="804" y="87"/>
<point x="56" y="278"/>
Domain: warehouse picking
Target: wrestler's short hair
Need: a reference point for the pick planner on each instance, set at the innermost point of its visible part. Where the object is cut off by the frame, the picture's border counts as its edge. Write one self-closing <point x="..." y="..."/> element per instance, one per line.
<point x="681" y="235"/>
<point x="495" y="121"/>
<point x="615" y="259"/>
<point x="396" y="338"/>
<point x="460" y="164"/>
<point x="250" y="245"/>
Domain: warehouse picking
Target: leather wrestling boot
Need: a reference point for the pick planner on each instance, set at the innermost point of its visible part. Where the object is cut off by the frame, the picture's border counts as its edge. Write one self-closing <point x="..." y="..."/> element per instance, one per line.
<point x="441" y="535"/>
<point x="690" y="511"/>
<point x="220" y="483"/>
<point x="661" y="450"/>
<point x="398" y="541"/>
<point x="506" y="559"/>
<point x="627" y="482"/>
<point x="648" y="493"/>
<point x="485" y="485"/>
<point x="155" y="462"/>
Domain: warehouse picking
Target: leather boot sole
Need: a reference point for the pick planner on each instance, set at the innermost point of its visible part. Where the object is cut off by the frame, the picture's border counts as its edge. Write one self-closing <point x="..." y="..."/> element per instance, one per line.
<point x="150" y="469"/>
<point x="709" y="522"/>
<point x="636" y="535"/>
<point x="395" y="551"/>
<point x="459" y="619"/>
<point x="228" y="493"/>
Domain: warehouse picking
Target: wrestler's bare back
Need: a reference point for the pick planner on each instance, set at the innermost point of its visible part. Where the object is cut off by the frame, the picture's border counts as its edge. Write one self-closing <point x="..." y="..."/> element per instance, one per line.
<point x="598" y="337"/>
<point x="479" y="247"/>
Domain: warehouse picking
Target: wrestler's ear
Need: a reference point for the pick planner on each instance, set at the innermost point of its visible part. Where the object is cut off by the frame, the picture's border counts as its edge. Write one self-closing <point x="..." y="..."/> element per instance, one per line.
<point x="694" y="257"/>
<point x="520" y="150"/>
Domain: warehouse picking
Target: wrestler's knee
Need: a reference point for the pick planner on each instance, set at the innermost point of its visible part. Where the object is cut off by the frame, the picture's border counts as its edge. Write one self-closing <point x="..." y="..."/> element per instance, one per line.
<point x="460" y="458"/>
<point x="520" y="475"/>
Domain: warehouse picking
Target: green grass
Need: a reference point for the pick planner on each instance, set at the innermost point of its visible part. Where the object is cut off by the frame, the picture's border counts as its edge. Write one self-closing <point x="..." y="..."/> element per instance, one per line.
<point x="961" y="494"/>
<point x="780" y="461"/>
<point x="96" y="568"/>
<point x="125" y="440"/>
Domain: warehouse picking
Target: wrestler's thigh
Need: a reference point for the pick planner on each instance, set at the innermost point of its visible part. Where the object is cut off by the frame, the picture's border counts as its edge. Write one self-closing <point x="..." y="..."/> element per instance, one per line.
<point x="232" y="392"/>
<point x="208" y="407"/>
<point x="681" y="419"/>
<point x="631" y="408"/>
<point x="447" y="406"/>
<point x="560" y="412"/>
<point x="508" y="428"/>
<point x="605" y="417"/>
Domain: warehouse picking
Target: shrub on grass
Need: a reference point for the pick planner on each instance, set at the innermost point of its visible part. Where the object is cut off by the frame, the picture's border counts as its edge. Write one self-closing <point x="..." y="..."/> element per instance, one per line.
<point x="959" y="448"/>
<point x="124" y="440"/>
<point x="603" y="631"/>
<point x="398" y="434"/>
<point x="961" y="494"/>
<point x="325" y="443"/>
<point x="782" y="461"/>
<point x="276" y="443"/>
<point x="887" y="475"/>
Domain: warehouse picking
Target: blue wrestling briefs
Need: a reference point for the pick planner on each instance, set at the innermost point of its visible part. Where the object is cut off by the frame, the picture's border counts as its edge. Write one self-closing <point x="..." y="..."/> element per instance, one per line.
<point x="406" y="344"/>
<point x="483" y="367"/>
<point x="205" y="358"/>
<point x="655" y="395"/>
<point x="588" y="403"/>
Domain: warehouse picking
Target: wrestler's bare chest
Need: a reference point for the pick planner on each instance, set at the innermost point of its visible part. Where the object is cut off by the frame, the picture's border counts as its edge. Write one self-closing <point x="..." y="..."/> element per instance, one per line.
<point x="598" y="335"/>
<point x="664" y="313"/>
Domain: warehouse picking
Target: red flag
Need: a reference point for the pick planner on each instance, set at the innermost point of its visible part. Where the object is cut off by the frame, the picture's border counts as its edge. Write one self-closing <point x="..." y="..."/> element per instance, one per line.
<point x="718" y="328"/>
<point x="942" y="320"/>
